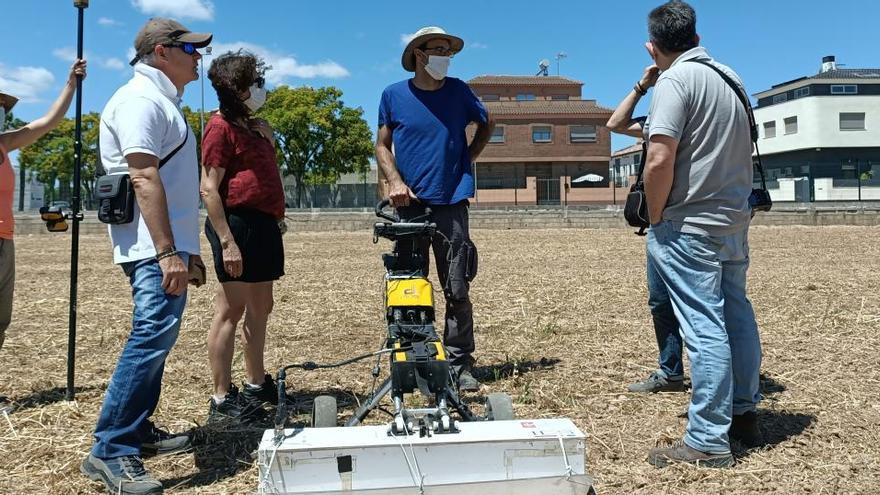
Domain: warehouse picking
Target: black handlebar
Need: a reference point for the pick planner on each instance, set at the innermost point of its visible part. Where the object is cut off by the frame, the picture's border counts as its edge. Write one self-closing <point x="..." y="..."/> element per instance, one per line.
<point x="380" y="207"/>
<point x="380" y="212"/>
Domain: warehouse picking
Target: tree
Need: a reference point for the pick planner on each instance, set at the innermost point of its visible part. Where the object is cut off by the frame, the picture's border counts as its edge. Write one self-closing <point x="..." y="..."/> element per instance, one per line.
<point x="318" y="138"/>
<point x="50" y="158"/>
<point x="12" y="122"/>
<point x="192" y="119"/>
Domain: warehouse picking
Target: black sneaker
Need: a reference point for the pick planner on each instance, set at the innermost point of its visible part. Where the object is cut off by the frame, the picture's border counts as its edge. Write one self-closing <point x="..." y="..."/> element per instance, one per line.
<point x="123" y="475"/>
<point x="657" y="383"/>
<point x="267" y="392"/>
<point x="744" y="429"/>
<point x="233" y="409"/>
<point x="156" y="441"/>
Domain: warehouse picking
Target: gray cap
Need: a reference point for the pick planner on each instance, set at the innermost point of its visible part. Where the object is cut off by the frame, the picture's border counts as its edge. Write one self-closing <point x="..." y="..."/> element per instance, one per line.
<point x="161" y="31"/>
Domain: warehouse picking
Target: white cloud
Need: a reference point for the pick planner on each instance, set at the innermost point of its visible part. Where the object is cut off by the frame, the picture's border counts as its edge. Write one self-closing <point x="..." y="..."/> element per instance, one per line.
<point x="113" y="63"/>
<point x="68" y="54"/>
<point x="25" y="83"/>
<point x="199" y="10"/>
<point x="283" y="65"/>
<point x="406" y="38"/>
<point x="478" y="45"/>
<point x="106" y="21"/>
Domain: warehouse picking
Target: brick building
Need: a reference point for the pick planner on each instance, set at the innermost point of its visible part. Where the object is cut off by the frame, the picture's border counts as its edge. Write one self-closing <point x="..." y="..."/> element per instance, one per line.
<point x="550" y="146"/>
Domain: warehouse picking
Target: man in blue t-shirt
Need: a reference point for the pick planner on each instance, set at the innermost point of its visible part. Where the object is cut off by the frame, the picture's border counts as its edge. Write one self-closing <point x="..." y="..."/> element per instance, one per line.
<point x="423" y="120"/>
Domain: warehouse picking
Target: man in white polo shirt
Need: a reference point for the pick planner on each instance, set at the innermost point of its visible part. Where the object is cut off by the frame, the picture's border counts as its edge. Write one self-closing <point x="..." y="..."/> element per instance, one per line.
<point x="144" y="133"/>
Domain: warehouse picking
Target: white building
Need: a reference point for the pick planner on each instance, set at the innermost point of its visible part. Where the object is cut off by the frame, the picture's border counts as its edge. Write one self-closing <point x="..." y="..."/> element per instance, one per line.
<point x="625" y="164"/>
<point x="822" y="132"/>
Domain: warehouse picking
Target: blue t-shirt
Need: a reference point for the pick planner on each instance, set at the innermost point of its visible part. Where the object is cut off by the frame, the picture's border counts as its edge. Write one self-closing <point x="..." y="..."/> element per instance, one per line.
<point x="428" y="131"/>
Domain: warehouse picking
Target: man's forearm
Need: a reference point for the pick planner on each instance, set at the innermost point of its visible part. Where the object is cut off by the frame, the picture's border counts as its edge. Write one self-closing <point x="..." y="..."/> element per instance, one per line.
<point x="621" y="119"/>
<point x="386" y="162"/>
<point x="481" y="139"/>
<point x="150" y="195"/>
<point x="658" y="184"/>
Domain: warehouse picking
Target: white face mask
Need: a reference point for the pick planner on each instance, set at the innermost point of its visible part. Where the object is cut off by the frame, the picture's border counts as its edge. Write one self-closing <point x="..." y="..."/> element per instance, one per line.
<point x="437" y="66"/>
<point x="256" y="99"/>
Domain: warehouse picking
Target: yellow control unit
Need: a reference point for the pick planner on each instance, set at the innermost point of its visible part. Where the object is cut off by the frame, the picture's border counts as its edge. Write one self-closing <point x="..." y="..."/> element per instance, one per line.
<point x="408" y="292"/>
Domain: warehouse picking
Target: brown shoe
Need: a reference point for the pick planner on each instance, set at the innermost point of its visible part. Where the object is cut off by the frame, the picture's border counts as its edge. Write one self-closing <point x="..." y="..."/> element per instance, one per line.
<point x="680" y="452"/>
<point x="744" y="429"/>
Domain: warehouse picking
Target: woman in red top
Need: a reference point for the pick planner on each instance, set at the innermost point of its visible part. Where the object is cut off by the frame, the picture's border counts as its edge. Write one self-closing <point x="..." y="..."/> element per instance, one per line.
<point x="13" y="140"/>
<point x="242" y="191"/>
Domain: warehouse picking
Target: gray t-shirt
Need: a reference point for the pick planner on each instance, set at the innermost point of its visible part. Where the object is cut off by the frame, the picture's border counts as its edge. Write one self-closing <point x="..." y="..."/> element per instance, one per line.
<point x="713" y="164"/>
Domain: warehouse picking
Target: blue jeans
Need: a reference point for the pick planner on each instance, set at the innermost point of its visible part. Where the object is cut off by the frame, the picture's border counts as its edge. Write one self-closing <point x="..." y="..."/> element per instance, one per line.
<point x="665" y="325"/>
<point x="706" y="280"/>
<point x="134" y="388"/>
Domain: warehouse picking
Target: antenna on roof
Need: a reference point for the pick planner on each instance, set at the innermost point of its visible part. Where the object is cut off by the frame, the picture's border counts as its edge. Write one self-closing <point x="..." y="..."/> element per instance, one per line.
<point x="559" y="56"/>
<point x="542" y="67"/>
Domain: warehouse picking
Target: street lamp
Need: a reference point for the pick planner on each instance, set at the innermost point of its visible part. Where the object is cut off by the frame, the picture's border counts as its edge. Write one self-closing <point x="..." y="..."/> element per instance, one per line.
<point x="202" y="109"/>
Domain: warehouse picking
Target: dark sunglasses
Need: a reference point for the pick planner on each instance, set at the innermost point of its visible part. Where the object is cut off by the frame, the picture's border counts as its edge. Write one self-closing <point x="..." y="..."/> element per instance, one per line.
<point x="188" y="48"/>
<point x="260" y="82"/>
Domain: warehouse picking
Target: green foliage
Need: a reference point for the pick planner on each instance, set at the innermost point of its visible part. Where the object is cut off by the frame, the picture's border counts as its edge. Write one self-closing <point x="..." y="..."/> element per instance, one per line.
<point x="318" y="138"/>
<point x="50" y="158"/>
<point x="192" y="118"/>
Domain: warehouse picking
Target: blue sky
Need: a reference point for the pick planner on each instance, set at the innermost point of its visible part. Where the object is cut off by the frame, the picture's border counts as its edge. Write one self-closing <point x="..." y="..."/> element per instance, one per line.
<point x="356" y="45"/>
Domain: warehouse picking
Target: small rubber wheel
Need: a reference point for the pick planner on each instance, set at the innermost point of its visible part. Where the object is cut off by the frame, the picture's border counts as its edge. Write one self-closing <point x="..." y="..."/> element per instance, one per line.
<point x="499" y="407"/>
<point x="324" y="412"/>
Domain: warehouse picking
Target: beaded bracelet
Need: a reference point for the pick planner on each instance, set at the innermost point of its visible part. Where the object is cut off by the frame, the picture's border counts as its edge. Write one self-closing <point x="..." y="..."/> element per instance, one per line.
<point x="166" y="254"/>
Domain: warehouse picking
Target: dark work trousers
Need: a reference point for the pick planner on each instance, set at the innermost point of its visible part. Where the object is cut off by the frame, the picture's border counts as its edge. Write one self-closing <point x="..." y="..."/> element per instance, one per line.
<point x="456" y="258"/>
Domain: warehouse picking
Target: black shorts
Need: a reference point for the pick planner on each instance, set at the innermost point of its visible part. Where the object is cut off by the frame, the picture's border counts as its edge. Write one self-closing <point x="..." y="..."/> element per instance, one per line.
<point x="259" y="240"/>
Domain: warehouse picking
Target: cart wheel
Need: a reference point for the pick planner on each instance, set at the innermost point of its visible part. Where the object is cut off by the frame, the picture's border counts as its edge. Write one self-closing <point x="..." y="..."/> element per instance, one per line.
<point x="324" y="412"/>
<point x="499" y="407"/>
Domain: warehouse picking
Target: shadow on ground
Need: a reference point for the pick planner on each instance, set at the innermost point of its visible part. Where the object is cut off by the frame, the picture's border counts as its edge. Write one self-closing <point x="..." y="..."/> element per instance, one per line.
<point x="39" y="398"/>
<point x="496" y="372"/>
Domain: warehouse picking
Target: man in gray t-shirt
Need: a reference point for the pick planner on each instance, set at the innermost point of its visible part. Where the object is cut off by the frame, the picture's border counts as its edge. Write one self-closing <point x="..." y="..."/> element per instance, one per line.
<point x="698" y="177"/>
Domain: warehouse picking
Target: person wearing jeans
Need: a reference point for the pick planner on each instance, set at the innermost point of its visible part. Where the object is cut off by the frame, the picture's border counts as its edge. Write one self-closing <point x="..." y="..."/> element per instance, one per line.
<point x="708" y="277"/>
<point x="134" y="388"/>
<point x="698" y="179"/>
<point x="669" y="376"/>
<point x="144" y="133"/>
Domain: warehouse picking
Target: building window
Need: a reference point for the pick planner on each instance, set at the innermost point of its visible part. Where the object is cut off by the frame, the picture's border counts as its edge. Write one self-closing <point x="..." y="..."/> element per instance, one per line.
<point x="582" y="133"/>
<point x="852" y="121"/>
<point x="489" y="98"/>
<point x="780" y="98"/>
<point x="558" y="97"/>
<point x="769" y="129"/>
<point x="801" y="92"/>
<point x="497" y="134"/>
<point x="525" y="97"/>
<point x="790" y="125"/>
<point x="542" y="134"/>
<point x="844" y="89"/>
<point x="637" y="158"/>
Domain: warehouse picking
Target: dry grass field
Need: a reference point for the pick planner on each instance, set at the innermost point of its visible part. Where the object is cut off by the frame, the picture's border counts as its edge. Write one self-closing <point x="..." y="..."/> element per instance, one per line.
<point x="562" y="326"/>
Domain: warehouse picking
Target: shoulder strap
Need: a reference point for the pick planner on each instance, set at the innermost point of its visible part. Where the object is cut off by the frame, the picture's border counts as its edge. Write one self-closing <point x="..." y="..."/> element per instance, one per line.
<point x="753" y="126"/>
<point x="174" y="152"/>
<point x="642" y="161"/>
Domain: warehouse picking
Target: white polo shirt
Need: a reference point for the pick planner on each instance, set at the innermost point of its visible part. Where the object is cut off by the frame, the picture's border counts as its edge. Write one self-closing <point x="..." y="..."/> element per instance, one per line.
<point x="144" y="116"/>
